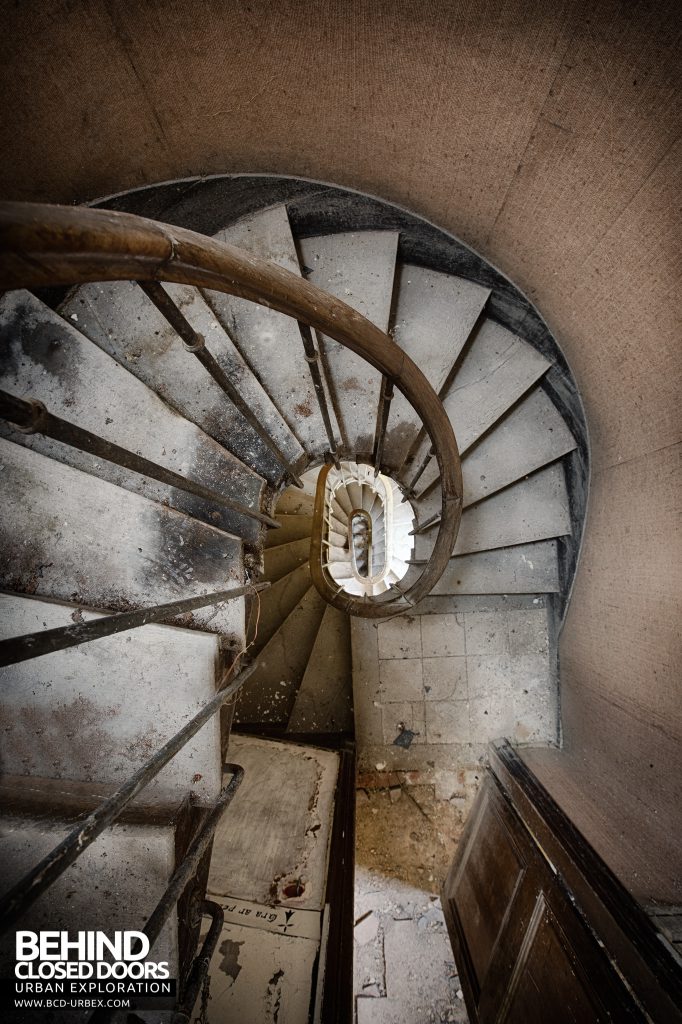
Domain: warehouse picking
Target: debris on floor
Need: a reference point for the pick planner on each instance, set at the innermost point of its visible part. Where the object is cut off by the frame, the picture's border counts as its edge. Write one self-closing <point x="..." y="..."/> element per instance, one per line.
<point x="404" y="968"/>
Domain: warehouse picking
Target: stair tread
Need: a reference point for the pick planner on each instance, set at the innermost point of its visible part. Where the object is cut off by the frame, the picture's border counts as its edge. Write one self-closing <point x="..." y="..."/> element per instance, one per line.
<point x="497" y="370"/>
<point x="292" y="527"/>
<point x="358" y="268"/>
<point x="48" y="358"/>
<point x="278" y="601"/>
<point x="103" y="707"/>
<point x="531" y="436"/>
<point x="522" y="569"/>
<point x="285" y="558"/>
<point x="529" y="510"/>
<point x="271" y="690"/>
<point x="270" y="342"/>
<point x="433" y="317"/>
<point x="128" y="869"/>
<point x="123" y="321"/>
<point x="294" y="502"/>
<point x="325" y="696"/>
<point x="105" y="547"/>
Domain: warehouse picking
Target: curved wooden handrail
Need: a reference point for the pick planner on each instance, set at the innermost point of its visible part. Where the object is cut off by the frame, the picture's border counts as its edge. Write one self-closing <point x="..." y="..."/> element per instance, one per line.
<point x="43" y="245"/>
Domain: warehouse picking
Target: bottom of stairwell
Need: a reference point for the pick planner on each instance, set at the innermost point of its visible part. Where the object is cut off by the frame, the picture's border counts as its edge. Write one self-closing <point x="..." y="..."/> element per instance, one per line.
<point x="407" y="830"/>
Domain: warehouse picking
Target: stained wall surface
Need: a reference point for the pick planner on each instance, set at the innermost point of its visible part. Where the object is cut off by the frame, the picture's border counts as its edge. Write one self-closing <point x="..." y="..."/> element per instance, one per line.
<point x="547" y="136"/>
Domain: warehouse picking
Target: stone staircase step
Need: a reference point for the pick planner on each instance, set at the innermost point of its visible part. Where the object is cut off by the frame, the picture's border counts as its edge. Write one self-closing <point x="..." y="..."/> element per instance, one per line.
<point x="522" y="569"/>
<point x="271" y="691"/>
<point x="529" y="510"/>
<point x="357" y="268"/>
<point x="69" y="536"/>
<point x="270" y="342"/>
<point x="497" y="370"/>
<point x="279" y="601"/>
<point x="433" y="317"/>
<point x="282" y="560"/>
<point x="276" y="832"/>
<point x="292" y="527"/>
<point x="123" y="321"/>
<point x="113" y="886"/>
<point x="529" y="437"/>
<point x="48" y="358"/>
<point x="324" y="702"/>
<point x="294" y="502"/>
<point x="96" y="713"/>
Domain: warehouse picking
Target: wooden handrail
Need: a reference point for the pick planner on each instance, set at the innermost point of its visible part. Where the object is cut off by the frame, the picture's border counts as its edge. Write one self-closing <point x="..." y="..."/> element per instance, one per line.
<point x="43" y="245"/>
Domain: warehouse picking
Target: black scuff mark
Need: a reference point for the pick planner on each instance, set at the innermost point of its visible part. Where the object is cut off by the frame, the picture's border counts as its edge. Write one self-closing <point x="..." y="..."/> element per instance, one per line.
<point x="275" y="995"/>
<point x="229" y="964"/>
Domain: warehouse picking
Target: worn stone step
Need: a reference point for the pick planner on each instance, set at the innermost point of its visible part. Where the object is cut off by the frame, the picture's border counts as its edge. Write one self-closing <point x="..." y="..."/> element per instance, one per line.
<point x="522" y="569"/>
<point x="294" y="527"/>
<point x="270" y="342"/>
<point x="279" y="601"/>
<point x="433" y="317"/>
<point x="48" y="358"/>
<point x="114" y="885"/>
<point x="497" y="370"/>
<point x="531" y="436"/>
<point x="277" y="831"/>
<point x="284" y="559"/>
<point x="324" y="702"/>
<point x="102" y="708"/>
<point x="123" y="321"/>
<point x="294" y="502"/>
<point x="357" y="268"/>
<point x="67" y="535"/>
<point x="529" y="510"/>
<point x="271" y="690"/>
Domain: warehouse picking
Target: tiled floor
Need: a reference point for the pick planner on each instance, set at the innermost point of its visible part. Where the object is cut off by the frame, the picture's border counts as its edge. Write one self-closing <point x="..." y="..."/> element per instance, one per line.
<point x="455" y="679"/>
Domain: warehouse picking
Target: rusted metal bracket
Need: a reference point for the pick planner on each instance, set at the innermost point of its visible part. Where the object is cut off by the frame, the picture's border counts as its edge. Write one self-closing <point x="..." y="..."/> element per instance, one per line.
<point x="196" y="344"/>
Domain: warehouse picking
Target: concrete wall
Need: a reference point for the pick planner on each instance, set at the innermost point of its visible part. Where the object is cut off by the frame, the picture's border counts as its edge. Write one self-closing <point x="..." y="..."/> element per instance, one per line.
<point x="548" y="136"/>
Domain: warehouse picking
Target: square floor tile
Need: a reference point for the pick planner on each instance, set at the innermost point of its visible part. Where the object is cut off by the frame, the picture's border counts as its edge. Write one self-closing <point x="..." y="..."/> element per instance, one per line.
<point x="401" y="679"/>
<point x="486" y="632"/>
<point x="400" y="637"/>
<point x="490" y="676"/>
<point x="404" y="714"/>
<point x="445" y="679"/>
<point x="528" y="632"/>
<point x="442" y="635"/>
<point x="447" y="721"/>
<point x="491" y="719"/>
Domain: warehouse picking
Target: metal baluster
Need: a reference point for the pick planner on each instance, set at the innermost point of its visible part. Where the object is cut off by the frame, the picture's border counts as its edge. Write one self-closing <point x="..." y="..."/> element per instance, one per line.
<point x="195" y="343"/>
<point x="312" y="356"/>
<point x="422" y="466"/>
<point x="32" y="417"/>
<point x="385" y="399"/>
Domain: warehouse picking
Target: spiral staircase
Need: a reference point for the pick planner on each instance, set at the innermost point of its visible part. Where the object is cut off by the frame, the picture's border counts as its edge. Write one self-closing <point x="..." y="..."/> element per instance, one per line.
<point x="288" y="429"/>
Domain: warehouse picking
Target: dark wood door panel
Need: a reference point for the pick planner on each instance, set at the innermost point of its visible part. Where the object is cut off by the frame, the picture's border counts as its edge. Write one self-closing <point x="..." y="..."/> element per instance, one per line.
<point x="525" y="951"/>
